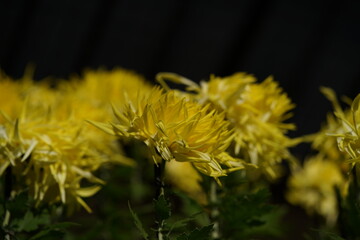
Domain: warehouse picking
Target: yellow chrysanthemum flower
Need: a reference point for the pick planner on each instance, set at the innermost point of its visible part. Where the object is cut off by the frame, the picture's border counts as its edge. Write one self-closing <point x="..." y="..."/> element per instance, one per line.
<point x="349" y="140"/>
<point x="257" y="112"/>
<point x="50" y="149"/>
<point x="224" y="91"/>
<point x="338" y="139"/>
<point x="313" y="187"/>
<point x="323" y="142"/>
<point x="90" y="97"/>
<point x="258" y="117"/>
<point x="50" y="158"/>
<point x="176" y="128"/>
<point x="221" y="92"/>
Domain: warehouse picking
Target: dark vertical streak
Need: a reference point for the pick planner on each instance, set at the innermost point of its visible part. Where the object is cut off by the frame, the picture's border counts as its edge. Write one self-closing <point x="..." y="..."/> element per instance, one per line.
<point x="96" y="32"/>
<point x="245" y="36"/>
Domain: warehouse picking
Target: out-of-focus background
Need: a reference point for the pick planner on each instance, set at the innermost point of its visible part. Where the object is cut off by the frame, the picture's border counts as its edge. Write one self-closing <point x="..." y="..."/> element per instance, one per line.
<point x="303" y="44"/>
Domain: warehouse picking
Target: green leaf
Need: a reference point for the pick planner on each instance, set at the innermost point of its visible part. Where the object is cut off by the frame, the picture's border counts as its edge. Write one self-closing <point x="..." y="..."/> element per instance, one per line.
<point x="162" y="208"/>
<point x="30" y="222"/>
<point x="349" y="218"/>
<point x="253" y="216"/>
<point x="138" y="224"/>
<point x="63" y="225"/>
<point x="183" y="237"/>
<point x="202" y="233"/>
<point x="183" y="222"/>
<point x="18" y="205"/>
<point x="197" y="234"/>
<point x="328" y="235"/>
<point x="49" y="234"/>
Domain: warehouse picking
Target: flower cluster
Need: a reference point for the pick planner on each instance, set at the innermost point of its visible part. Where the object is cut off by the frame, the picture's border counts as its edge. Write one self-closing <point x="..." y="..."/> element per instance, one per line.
<point x="256" y="112"/>
<point x="314" y="185"/>
<point x="46" y="145"/>
<point x="214" y="128"/>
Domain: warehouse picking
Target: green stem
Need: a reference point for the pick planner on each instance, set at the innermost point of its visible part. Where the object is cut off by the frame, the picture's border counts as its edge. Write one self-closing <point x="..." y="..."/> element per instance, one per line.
<point x="356" y="182"/>
<point x="214" y="214"/>
<point x="159" y="191"/>
<point x="7" y="194"/>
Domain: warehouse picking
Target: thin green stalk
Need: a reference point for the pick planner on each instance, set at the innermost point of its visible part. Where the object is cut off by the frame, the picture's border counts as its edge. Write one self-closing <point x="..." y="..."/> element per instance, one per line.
<point x="356" y="181"/>
<point x="159" y="191"/>
<point x="214" y="214"/>
<point x="7" y="194"/>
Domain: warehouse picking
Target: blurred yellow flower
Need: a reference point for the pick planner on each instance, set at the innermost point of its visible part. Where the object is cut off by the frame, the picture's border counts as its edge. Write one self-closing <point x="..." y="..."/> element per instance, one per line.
<point x="339" y="140"/>
<point x="101" y="88"/>
<point x="176" y="128"/>
<point x="183" y="175"/>
<point x="47" y="144"/>
<point x="10" y="98"/>
<point x="313" y="187"/>
<point x="258" y="116"/>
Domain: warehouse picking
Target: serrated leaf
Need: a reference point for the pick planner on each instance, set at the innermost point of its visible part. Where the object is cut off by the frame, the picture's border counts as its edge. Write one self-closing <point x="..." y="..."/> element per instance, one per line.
<point x="328" y="235"/>
<point x="138" y="224"/>
<point x="181" y="223"/>
<point x="197" y="234"/>
<point x="183" y="237"/>
<point x="255" y="216"/>
<point x="202" y="233"/>
<point x="162" y="208"/>
<point x="30" y="222"/>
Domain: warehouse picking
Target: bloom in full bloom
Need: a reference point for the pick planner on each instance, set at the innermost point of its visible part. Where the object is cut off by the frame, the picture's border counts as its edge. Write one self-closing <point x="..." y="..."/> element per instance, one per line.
<point x="177" y="128"/>
<point x="47" y="145"/>
<point x="49" y="158"/>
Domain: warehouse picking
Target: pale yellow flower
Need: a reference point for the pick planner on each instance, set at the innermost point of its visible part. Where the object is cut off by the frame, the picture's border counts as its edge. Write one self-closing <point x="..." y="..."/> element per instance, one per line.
<point x="313" y="187"/>
<point x="183" y="176"/>
<point x="176" y="128"/>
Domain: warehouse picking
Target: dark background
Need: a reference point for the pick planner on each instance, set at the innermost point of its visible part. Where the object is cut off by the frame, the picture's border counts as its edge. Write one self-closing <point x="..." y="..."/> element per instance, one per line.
<point x="303" y="44"/>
